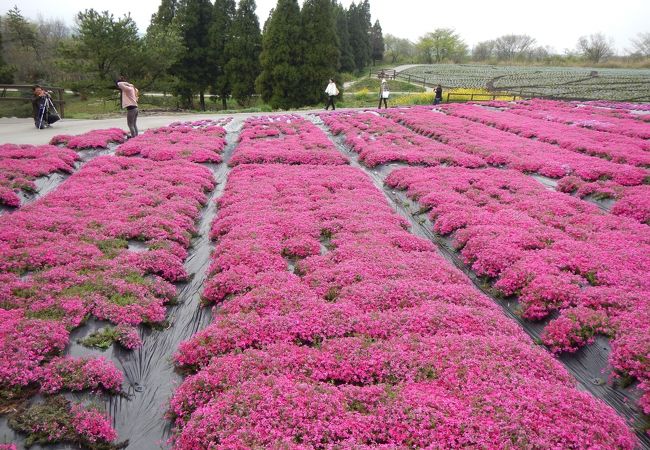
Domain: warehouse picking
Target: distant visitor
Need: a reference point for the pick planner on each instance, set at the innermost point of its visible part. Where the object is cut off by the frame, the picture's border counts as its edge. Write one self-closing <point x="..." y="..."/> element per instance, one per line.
<point x="129" y="94"/>
<point x="332" y="91"/>
<point x="384" y="93"/>
<point x="43" y="110"/>
<point x="438" y="98"/>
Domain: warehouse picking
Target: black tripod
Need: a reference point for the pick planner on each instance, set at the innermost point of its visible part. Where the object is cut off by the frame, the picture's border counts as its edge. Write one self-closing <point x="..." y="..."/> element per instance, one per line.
<point x="46" y="111"/>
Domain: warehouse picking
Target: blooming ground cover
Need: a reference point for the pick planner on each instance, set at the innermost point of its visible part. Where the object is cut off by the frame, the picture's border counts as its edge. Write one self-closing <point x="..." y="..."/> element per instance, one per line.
<point x="66" y="257"/>
<point x="579" y="115"/>
<point x="560" y="254"/>
<point x="337" y="328"/>
<point x="379" y="140"/>
<point x="287" y="139"/>
<point x="200" y="141"/>
<point x="20" y="165"/>
<point x="613" y="147"/>
<point x="91" y="139"/>
<point x="577" y="172"/>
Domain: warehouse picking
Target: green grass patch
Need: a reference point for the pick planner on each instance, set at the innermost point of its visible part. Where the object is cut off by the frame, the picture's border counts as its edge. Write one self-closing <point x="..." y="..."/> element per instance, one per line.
<point x="101" y="339"/>
<point x="372" y="84"/>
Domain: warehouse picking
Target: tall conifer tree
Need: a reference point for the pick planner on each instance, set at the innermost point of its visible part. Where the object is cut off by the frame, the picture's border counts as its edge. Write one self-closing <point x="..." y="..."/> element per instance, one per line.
<point x="321" y="48"/>
<point x="279" y="82"/>
<point x="346" y="60"/>
<point x="6" y="74"/>
<point x="244" y="48"/>
<point x="193" y="19"/>
<point x="223" y="14"/>
<point x="377" y="42"/>
<point x="165" y="14"/>
<point x="359" y="26"/>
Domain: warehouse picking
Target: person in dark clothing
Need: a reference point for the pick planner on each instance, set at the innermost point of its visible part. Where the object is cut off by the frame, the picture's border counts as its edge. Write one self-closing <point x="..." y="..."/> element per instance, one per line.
<point x="39" y="107"/>
<point x="438" y="97"/>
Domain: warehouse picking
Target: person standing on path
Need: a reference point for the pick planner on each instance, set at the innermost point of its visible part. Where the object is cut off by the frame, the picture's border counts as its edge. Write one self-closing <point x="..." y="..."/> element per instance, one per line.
<point x="332" y="91"/>
<point x="129" y="95"/>
<point x="438" y="97"/>
<point x="384" y="92"/>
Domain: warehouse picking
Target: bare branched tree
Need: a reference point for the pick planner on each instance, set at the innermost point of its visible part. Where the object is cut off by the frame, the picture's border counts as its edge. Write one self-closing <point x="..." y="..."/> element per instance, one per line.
<point x="596" y="47"/>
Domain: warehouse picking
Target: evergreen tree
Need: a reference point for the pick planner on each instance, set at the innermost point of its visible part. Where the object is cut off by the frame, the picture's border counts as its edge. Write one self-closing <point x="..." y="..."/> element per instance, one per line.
<point x="346" y="60"/>
<point x="377" y="41"/>
<point x="359" y="27"/>
<point x="193" y="19"/>
<point x="244" y="46"/>
<point x="321" y="48"/>
<point x="279" y="82"/>
<point x="166" y="13"/>
<point x="223" y="14"/>
<point x="6" y="72"/>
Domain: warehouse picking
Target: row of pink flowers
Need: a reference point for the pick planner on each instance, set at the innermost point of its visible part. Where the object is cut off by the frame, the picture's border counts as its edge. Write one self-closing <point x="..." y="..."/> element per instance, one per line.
<point x="615" y="147"/>
<point x="582" y="116"/>
<point x="91" y="139"/>
<point x="20" y="165"/>
<point x="201" y="141"/>
<point x="66" y="257"/>
<point x="500" y="148"/>
<point x="379" y="140"/>
<point x="620" y="105"/>
<point x="555" y="252"/>
<point x="632" y="201"/>
<point x="337" y="328"/>
<point x="287" y="139"/>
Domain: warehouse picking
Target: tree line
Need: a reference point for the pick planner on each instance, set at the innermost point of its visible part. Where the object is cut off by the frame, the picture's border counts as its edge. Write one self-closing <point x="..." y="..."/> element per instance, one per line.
<point x="197" y="47"/>
<point x="445" y="45"/>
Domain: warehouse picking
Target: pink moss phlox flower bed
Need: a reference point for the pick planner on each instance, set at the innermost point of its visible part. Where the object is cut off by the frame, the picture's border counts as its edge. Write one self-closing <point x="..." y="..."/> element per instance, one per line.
<point x="197" y="142"/>
<point x="379" y="140"/>
<point x="91" y="139"/>
<point x="58" y="420"/>
<point x="286" y="139"/>
<point x="632" y="201"/>
<point x="619" y="105"/>
<point x="66" y="257"/>
<point x="583" y="116"/>
<point x="20" y="165"/>
<point x="337" y="328"/>
<point x="614" y="147"/>
<point x="71" y="374"/>
<point x="203" y="123"/>
<point x="502" y="149"/>
<point x="553" y="251"/>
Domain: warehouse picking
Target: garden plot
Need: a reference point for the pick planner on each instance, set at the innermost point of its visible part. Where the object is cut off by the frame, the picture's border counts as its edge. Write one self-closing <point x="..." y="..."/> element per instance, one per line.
<point x="580" y="173"/>
<point x="332" y="322"/>
<point x="199" y="141"/>
<point x="286" y="139"/>
<point x="144" y="201"/>
<point x="610" y="146"/>
<point x="563" y="82"/>
<point x="22" y="167"/>
<point x="371" y="323"/>
<point x="582" y="116"/>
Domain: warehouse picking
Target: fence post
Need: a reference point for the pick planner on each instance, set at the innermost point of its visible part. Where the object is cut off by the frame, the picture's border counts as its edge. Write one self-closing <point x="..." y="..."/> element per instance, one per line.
<point x="61" y="102"/>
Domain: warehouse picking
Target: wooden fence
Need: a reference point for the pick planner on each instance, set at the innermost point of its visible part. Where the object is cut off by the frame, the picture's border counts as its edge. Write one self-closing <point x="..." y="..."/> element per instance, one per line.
<point x="25" y="95"/>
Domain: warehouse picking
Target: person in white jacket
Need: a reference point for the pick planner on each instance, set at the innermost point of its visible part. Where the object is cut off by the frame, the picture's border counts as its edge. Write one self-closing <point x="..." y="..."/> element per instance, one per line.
<point x="332" y="91"/>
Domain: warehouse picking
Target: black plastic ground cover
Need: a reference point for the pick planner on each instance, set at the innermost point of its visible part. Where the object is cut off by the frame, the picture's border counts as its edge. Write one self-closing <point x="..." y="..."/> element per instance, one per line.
<point x="589" y="365"/>
<point x="150" y="377"/>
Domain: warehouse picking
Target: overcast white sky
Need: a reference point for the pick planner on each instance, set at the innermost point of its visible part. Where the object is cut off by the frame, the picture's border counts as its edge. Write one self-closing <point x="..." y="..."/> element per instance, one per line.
<point x="556" y="23"/>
